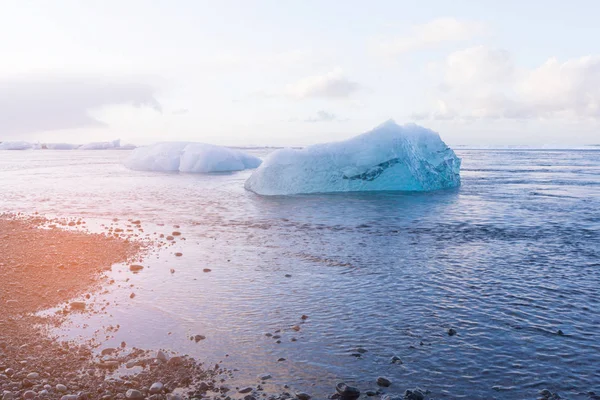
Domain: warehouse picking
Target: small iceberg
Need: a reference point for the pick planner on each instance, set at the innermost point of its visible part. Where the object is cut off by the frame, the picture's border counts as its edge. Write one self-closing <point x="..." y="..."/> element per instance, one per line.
<point x="190" y="157"/>
<point x="16" y="146"/>
<point x="115" y="144"/>
<point x="389" y="157"/>
<point x="60" y="146"/>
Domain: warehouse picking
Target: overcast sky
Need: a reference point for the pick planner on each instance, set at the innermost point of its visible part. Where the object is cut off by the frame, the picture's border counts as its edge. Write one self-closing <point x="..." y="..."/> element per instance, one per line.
<point x="298" y="72"/>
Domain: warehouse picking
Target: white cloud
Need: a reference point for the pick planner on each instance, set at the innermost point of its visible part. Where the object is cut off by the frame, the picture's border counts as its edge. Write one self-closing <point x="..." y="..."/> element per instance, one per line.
<point x="43" y="103"/>
<point x="322" y="116"/>
<point x="432" y="34"/>
<point x="331" y="85"/>
<point x="484" y="83"/>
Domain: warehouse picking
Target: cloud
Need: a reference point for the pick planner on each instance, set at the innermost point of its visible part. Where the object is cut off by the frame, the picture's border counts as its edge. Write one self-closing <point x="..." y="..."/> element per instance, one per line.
<point x="484" y="83"/>
<point x="331" y="85"/>
<point x="322" y="116"/>
<point x="42" y="103"/>
<point x="431" y="34"/>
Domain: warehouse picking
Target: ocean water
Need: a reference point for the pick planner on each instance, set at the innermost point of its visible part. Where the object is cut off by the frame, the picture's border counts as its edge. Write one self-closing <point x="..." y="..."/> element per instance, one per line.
<point x="509" y="259"/>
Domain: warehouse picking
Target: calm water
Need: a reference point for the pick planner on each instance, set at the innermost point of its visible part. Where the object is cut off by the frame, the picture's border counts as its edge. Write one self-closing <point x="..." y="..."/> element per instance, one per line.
<point x="507" y="260"/>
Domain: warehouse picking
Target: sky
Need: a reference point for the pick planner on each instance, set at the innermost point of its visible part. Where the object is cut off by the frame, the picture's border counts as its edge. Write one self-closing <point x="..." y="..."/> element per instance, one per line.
<point x="281" y="73"/>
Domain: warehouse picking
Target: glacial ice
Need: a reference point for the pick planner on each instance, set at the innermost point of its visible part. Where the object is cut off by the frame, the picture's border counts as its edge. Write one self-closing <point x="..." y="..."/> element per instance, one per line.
<point x="389" y="157"/>
<point x="189" y="157"/>
<point x="16" y="146"/>
<point x="60" y="146"/>
<point x="101" y="145"/>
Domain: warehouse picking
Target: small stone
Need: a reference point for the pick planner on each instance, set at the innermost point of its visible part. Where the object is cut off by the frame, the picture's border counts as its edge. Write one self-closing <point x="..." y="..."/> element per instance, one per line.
<point x="33" y="376"/>
<point x="382" y="381"/>
<point x="361" y="350"/>
<point x="371" y="393"/>
<point x="108" y="351"/>
<point x="170" y="237"/>
<point x="395" y="360"/>
<point x="132" y="295"/>
<point x="9" y="371"/>
<point x="206" y="270"/>
<point x="174" y="396"/>
<point x="60" y="388"/>
<point x="198" y="338"/>
<point x="347" y="392"/>
<point x="175" y="361"/>
<point x="161" y="356"/>
<point x="545" y="393"/>
<point x="245" y="390"/>
<point x="560" y="333"/>
<point x="415" y="394"/>
<point x="43" y="393"/>
<point x="302" y="396"/>
<point x="451" y="332"/>
<point x="304" y="317"/>
<point x="176" y="233"/>
<point x="156" y="388"/>
<point x="29" y="394"/>
<point x="69" y="397"/>
<point x="134" y="394"/>
<point x="265" y="377"/>
<point x="296" y="328"/>
<point x="6" y="395"/>
<point x="281" y="359"/>
<point x="178" y="254"/>
<point x="136" y="268"/>
<point x="288" y="275"/>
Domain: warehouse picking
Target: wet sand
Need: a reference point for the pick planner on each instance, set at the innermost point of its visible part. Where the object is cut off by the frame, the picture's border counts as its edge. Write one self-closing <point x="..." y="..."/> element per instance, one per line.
<point x="43" y="266"/>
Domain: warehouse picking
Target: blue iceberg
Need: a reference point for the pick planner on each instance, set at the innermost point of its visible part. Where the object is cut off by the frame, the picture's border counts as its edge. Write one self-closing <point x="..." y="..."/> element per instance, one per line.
<point x="389" y="157"/>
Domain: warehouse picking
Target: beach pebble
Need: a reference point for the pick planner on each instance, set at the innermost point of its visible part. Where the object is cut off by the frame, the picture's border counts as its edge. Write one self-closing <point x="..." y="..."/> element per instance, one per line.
<point x="29" y="394"/>
<point x="136" y="268"/>
<point x="32" y="376"/>
<point x="395" y="360"/>
<point x="174" y="396"/>
<point x="382" y="381"/>
<point x="156" y="387"/>
<point x="107" y="351"/>
<point x="198" y="338"/>
<point x="161" y="356"/>
<point x="347" y="392"/>
<point x="206" y="270"/>
<point x="302" y="396"/>
<point x="245" y="390"/>
<point x="174" y="361"/>
<point x="134" y="394"/>
<point x="178" y="254"/>
<point x="415" y="394"/>
<point x="69" y="397"/>
<point x="371" y="393"/>
<point x="60" y="388"/>
<point x="265" y="377"/>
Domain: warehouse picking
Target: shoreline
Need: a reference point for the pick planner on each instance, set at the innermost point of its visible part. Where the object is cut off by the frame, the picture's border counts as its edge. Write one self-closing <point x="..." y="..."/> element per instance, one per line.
<point x="43" y="266"/>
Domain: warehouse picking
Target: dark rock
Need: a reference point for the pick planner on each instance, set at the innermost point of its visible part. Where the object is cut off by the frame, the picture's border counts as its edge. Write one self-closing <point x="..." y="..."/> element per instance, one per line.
<point x="395" y="360"/>
<point x="245" y="390"/>
<point x="415" y="394"/>
<point x="451" y="332"/>
<point x="302" y="396"/>
<point x="136" y="268"/>
<point x="347" y="392"/>
<point x="382" y="381"/>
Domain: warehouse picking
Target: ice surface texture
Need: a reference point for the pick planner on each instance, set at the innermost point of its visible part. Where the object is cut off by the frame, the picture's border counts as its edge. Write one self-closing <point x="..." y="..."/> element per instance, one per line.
<point x="190" y="157"/>
<point x="15" y="146"/>
<point x="389" y="157"/>
<point x="101" y="145"/>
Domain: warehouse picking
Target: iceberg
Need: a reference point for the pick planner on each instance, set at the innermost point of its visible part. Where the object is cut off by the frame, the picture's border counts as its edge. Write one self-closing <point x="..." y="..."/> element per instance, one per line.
<point x="16" y="146"/>
<point x="101" y="145"/>
<point x="60" y="146"/>
<point x="389" y="157"/>
<point x="189" y="157"/>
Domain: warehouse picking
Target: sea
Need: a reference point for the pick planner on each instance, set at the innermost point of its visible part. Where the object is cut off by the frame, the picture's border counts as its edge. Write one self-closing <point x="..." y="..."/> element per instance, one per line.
<point x="510" y="261"/>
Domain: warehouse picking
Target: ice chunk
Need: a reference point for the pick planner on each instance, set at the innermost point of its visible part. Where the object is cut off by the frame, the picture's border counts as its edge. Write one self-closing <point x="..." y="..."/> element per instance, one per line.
<point x="60" y="146"/>
<point x="190" y="157"/>
<point x="101" y="145"/>
<point x="16" y="146"/>
<point x="389" y="157"/>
